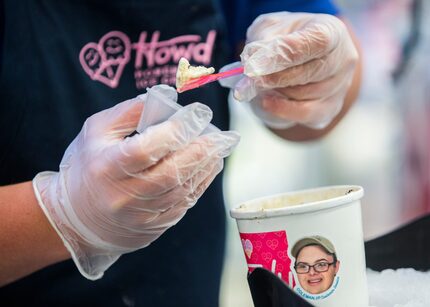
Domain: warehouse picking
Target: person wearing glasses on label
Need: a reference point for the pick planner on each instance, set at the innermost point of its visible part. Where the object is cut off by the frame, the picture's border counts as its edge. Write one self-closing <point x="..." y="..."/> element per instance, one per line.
<point x="316" y="263"/>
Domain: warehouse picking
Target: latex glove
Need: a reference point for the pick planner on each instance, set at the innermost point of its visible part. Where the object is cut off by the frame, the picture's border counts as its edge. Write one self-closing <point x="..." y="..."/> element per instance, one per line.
<point x="114" y="194"/>
<point x="298" y="69"/>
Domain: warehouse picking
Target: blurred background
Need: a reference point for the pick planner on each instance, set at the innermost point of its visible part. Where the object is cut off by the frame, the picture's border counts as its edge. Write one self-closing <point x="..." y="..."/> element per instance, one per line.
<point x="381" y="144"/>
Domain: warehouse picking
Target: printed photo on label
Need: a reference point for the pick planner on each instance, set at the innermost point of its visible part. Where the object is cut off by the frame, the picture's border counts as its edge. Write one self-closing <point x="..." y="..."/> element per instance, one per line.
<point x="316" y="267"/>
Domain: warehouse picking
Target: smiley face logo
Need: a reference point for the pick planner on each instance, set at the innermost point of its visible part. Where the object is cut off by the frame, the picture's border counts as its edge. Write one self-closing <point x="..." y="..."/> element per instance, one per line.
<point x="93" y="58"/>
<point x="114" y="47"/>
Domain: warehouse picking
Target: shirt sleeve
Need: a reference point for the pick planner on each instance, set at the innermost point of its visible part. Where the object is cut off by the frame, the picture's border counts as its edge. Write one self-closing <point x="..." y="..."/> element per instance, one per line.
<point x="241" y="13"/>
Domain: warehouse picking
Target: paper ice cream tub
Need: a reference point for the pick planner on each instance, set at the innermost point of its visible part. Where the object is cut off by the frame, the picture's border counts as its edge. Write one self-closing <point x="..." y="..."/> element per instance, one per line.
<point x="312" y="240"/>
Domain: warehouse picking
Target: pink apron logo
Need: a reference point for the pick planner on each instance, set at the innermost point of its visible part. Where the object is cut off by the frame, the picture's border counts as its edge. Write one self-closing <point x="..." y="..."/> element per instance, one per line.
<point x="105" y="61"/>
<point x="155" y="60"/>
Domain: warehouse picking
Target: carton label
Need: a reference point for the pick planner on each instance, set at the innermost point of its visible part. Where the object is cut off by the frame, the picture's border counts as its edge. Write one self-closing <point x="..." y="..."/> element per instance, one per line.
<point x="268" y="250"/>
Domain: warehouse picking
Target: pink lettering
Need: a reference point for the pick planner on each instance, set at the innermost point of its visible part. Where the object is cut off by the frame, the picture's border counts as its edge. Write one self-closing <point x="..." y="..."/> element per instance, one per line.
<point x="155" y="61"/>
<point x="162" y="56"/>
<point x="156" y="52"/>
<point x="203" y="52"/>
<point x="180" y="51"/>
<point x="145" y="50"/>
<point x="164" y="74"/>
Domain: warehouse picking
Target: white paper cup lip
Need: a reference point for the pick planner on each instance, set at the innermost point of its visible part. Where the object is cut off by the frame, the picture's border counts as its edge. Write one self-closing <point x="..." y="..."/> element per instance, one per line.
<point x="297" y="202"/>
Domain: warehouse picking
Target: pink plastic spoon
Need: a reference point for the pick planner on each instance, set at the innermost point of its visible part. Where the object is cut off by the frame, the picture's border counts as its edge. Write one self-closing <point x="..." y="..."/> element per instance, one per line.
<point x="197" y="82"/>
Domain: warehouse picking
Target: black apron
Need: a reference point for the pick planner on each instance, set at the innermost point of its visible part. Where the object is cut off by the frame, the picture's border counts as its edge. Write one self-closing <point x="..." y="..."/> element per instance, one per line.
<point x="62" y="61"/>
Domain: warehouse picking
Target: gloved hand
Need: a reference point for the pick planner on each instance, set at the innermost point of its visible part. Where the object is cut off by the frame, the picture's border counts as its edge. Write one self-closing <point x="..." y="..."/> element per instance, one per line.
<point x="115" y="194"/>
<point x="298" y="69"/>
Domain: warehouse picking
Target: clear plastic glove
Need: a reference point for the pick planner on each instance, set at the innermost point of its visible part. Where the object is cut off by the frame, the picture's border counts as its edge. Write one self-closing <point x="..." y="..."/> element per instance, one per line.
<point x="115" y="194"/>
<point x="298" y="69"/>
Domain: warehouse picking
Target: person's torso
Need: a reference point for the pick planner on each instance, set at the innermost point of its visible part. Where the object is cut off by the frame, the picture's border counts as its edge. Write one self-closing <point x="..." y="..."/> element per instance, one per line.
<point x="62" y="61"/>
<point x="65" y="60"/>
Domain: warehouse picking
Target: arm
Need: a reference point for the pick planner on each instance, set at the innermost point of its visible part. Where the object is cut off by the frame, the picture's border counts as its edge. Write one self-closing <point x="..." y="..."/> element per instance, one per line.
<point x="302" y="73"/>
<point x="27" y="240"/>
<point x="300" y="133"/>
<point x="114" y="193"/>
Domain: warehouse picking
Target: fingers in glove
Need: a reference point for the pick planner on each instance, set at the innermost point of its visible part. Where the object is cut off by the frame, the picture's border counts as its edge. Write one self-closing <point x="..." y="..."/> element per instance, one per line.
<point x="201" y="188"/>
<point x="316" y="90"/>
<point x="161" y="203"/>
<point x="313" y="71"/>
<point x="144" y="150"/>
<point x="171" y="216"/>
<point x="304" y="112"/>
<point x="150" y="186"/>
<point x="116" y="122"/>
<point x="302" y="82"/>
<point x="178" y="167"/>
<point x="274" y="55"/>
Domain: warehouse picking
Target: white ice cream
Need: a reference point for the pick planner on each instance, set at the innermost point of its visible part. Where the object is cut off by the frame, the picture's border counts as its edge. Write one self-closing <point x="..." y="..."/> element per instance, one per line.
<point x="186" y="72"/>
